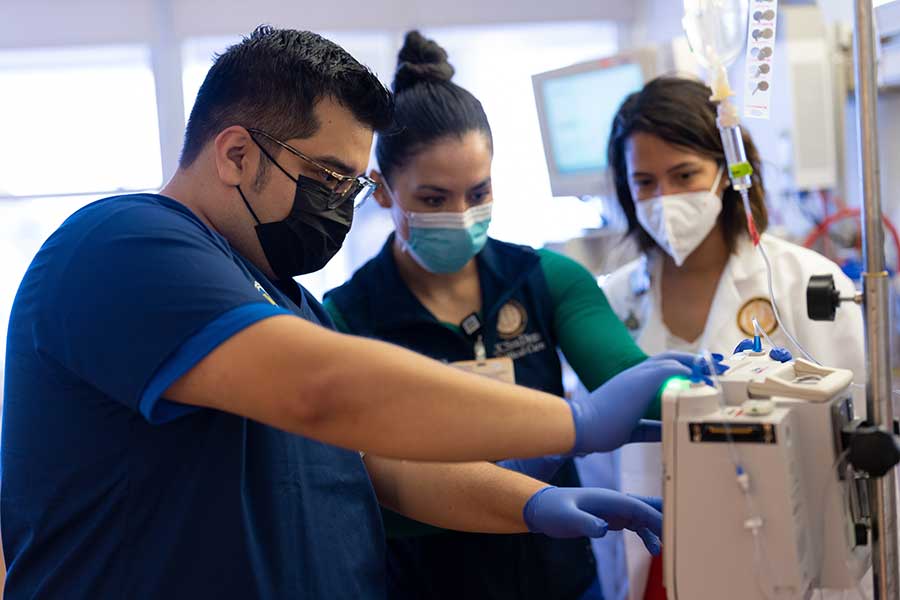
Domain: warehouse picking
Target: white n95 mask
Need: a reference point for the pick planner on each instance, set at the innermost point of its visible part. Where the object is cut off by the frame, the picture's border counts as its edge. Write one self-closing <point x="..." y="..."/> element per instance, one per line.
<point x="679" y="222"/>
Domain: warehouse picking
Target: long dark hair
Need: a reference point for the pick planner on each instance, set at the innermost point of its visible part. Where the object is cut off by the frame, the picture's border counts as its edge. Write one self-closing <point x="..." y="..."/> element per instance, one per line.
<point x="428" y="105"/>
<point x="679" y="111"/>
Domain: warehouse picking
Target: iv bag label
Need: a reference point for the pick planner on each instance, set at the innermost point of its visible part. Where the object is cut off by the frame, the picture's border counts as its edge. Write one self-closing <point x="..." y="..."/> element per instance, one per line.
<point x="760" y="58"/>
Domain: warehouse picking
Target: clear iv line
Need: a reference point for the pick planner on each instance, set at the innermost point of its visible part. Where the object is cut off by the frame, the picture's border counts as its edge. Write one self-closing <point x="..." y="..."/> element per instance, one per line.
<point x="745" y="197"/>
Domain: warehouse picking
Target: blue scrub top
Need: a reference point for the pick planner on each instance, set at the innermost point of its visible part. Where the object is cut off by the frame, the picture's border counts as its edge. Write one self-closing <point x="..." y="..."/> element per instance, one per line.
<point x="110" y="490"/>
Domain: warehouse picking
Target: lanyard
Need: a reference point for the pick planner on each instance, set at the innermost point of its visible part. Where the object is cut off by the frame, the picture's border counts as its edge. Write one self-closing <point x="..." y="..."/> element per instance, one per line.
<point x="471" y="326"/>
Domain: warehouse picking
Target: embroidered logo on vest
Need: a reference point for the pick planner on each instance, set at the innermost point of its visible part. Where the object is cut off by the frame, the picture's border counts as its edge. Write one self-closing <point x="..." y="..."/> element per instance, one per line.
<point x="511" y="320"/>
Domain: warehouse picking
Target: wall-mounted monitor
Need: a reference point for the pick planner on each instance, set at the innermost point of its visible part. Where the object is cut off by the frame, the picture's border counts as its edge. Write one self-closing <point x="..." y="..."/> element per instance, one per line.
<point x="576" y="105"/>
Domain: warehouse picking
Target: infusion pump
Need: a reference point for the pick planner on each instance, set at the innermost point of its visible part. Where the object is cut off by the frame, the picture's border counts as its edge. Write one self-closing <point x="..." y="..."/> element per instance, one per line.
<point x="759" y="502"/>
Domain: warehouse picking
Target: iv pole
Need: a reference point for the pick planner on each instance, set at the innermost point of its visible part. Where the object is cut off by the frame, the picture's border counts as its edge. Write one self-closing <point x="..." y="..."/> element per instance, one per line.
<point x="875" y="305"/>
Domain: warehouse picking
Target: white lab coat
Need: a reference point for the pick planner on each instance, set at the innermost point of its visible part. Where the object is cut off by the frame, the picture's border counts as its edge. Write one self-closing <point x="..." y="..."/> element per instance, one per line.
<point x="633" y="293"/>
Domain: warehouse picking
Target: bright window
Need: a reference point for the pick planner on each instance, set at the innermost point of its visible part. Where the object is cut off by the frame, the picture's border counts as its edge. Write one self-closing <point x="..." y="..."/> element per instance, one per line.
<point x="83" y="120"/>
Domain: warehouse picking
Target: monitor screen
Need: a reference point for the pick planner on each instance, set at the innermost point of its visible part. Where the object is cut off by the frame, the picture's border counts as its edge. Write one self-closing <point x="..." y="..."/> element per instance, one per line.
<point x="579" y="109"/>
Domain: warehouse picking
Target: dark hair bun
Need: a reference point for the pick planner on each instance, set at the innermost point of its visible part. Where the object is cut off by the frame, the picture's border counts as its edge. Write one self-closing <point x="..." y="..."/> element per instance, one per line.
<point x="420" y="60"/>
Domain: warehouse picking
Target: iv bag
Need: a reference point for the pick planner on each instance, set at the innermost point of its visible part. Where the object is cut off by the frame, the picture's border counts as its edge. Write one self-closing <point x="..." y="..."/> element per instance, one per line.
<point x="716" y="30"/>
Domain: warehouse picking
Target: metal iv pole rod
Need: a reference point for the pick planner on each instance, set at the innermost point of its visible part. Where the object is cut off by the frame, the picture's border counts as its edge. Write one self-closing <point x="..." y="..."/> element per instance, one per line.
<point x="875" y="305"/>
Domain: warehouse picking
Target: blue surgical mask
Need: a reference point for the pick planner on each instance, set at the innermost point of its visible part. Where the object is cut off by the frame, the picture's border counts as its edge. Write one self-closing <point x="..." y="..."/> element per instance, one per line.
<point x="443" y="242"/>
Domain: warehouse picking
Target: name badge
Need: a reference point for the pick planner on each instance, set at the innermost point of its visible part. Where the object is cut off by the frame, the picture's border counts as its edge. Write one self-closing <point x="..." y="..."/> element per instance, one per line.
<point x="499" y="369"/>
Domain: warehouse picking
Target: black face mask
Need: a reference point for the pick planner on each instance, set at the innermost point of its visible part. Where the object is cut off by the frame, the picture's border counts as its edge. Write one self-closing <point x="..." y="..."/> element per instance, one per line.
<point x="310" y="235"/>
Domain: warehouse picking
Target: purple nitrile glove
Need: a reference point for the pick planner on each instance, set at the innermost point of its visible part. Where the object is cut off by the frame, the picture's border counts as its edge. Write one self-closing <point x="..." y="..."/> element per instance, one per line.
<point x="689" y="360"/>
<point x="544" y="468"/>
<point x="606" y="418"/>
<point x="647" y="430"/>
<point x="700" y="369"/>
<point x="591" y="512"/>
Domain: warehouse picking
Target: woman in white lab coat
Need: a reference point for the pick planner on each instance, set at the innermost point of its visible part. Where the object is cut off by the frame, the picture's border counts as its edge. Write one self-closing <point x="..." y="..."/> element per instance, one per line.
<point x="700" y="280"/>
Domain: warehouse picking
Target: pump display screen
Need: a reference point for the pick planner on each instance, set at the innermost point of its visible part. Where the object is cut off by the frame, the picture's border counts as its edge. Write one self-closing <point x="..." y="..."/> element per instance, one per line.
<point x="579" y="109"/>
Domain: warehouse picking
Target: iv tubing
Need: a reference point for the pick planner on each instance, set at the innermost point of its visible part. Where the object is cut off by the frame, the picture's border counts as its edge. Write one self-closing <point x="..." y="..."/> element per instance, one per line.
<point x="745" y="196"/>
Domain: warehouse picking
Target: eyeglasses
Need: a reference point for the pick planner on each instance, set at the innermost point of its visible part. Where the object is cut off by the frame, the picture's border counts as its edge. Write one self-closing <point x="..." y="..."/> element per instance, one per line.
<point x="343" y="187"/>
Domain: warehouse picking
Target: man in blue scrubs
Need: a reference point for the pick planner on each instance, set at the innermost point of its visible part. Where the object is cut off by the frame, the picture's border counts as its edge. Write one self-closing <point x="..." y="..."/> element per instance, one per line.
<point x="173" y="429"/>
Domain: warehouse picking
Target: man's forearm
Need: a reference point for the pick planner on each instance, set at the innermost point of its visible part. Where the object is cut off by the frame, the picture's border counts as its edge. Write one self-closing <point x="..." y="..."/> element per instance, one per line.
<point x="367" y="395"/>
<point x="418" y="408"/>
<point x="474" y="496"/>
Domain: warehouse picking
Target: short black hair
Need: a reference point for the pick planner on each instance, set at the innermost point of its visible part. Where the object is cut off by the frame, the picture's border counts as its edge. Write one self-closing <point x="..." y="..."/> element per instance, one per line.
<point x="273" y="79"/>
<point x="679" y="111"/>
<point x="429" y="106"/>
